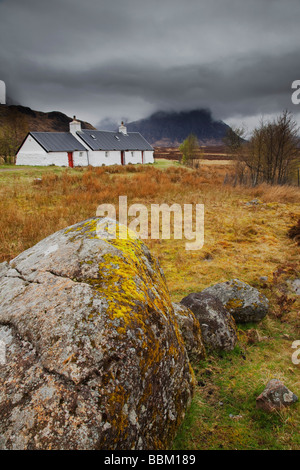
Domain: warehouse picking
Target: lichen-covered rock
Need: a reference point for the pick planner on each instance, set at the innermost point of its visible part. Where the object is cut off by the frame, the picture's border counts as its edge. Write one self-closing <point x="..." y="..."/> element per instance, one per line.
<point x="217" y="325"/>
<point x="3" y="268"/>
<point x="94" y="355"/>
<point x="245" y="303"/>
<point x="191" y="332"/>
<point x="275" y="396"/>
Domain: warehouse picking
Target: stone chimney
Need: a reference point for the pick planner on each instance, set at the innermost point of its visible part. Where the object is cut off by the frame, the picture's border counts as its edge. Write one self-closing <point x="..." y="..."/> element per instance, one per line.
<point x="75" y="126"/>
<point x="122" y="128"/>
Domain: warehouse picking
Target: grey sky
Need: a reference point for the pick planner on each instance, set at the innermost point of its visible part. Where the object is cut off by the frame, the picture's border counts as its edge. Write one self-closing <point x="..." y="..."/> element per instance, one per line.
<point x="128" y="58"/>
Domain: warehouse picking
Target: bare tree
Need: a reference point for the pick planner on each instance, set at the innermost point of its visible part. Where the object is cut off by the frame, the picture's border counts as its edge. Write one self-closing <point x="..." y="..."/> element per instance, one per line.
<point x="270" y="155"/>
<point x="272" y="150"/>
<point x="12" y="133"/>
<point x="234" y="141"/>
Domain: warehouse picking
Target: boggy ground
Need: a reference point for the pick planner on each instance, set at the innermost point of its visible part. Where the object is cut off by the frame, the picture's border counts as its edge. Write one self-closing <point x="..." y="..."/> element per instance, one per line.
<point x="245" y="241"/>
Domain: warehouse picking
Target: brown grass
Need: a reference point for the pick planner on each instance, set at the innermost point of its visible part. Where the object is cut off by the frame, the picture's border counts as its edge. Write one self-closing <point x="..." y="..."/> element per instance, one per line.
<point x="240" y="240"/>
<point x="280" y="194"/>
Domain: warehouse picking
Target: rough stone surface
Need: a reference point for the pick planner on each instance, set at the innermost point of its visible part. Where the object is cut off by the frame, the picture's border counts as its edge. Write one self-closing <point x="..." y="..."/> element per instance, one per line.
<point x="294" y="285"/>
<point x="94" y="355"/>
<point x="191" y="332"/>
<point x="245" y="303"/>
<point x="217" y="325"/>
<point x="3" y="268"/>
<point x="275" y="396"/>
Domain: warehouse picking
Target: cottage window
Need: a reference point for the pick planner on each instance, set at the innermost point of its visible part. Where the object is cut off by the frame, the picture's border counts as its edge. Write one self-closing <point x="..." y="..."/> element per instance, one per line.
<point x="107" y="154"/>
<point x="132" y="154"/>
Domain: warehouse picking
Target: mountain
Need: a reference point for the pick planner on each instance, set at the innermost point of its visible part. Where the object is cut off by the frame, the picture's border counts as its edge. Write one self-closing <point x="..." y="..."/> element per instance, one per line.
<point x="169" y="129"/>
<point x="37" y="120"/>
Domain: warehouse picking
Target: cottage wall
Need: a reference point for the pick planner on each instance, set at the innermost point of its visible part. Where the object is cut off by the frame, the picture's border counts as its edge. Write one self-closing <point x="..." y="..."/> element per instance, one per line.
<point x="148" y="156"/>
<point x="80" y="158"/>
<point x="133" y="157"/>
<point x="100" y="157"/>
<point x="31" y="153"/>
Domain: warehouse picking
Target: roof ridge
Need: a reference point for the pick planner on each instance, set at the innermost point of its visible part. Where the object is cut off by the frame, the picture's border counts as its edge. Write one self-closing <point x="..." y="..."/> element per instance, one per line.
<point x="50" y="132"/>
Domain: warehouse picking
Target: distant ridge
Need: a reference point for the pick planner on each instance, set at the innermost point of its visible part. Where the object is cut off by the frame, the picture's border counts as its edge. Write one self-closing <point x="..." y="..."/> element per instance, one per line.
<point x="38" y="121"/>
<point x="169" y="129"/>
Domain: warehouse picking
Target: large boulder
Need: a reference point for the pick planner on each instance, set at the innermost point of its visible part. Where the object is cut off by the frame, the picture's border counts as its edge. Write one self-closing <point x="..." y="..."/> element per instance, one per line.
<point x="243" y="302"/>
<point x="217" y="325"/>
<point x="191" y="332"/>
<point x="94" y="355"/>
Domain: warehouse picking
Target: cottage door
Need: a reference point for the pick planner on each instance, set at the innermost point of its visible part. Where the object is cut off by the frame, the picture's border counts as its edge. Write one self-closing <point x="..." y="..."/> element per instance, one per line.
<point x="70" y="158"/>
<point x="122" y="158"/>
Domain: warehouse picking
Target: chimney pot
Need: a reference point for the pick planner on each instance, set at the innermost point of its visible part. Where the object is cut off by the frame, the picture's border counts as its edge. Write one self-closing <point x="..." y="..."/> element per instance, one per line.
<point x="122" y="128"/>
<point x="75" y="126"/>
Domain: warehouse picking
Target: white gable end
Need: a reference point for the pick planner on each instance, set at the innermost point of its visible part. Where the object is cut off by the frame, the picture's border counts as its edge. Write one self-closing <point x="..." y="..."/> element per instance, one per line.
<point x="31" y="146"/>
<point x="32" y="153"/>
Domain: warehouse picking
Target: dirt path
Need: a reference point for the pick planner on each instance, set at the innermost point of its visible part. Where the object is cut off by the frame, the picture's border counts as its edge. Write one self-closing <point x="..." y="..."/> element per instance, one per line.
<point x="11" y="169"/>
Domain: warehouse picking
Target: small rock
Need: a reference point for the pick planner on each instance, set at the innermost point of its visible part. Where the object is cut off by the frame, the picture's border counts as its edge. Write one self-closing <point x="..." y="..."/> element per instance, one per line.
<point x="244" y="303"/>
<point x="275" y="396"/>
<point x="263" y="278"/>
<point x="254" y="202"/>
<point x="217" y="325"/>
<point x="236" y="417"/>
<point x="295" y="286"/>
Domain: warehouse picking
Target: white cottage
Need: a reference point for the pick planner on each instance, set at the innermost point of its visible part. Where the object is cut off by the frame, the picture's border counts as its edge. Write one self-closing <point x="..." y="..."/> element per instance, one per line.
<point x="83" y="147"/>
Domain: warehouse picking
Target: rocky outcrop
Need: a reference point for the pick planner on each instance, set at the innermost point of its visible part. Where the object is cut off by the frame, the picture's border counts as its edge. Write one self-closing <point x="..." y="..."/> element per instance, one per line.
<point x="191" y="332"/>
<point x="243" y="302"/>
<point x="275" y="396"/>
<point x="217" y="325"/>
<point x="94" y="355"/>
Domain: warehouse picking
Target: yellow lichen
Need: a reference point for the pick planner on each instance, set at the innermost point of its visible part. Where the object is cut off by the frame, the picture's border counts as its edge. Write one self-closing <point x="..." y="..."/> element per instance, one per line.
<point x="234" y="303"/>
<point x="138" y="303"/>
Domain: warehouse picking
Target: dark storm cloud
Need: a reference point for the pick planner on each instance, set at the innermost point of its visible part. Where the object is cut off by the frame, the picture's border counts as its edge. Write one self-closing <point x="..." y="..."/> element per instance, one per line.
<point x="102" y="59"/>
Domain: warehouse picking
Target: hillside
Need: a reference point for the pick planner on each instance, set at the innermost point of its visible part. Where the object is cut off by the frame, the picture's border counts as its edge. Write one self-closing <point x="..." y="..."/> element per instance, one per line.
<point x="37" y="120"/>
<point x="169" y="129"/>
